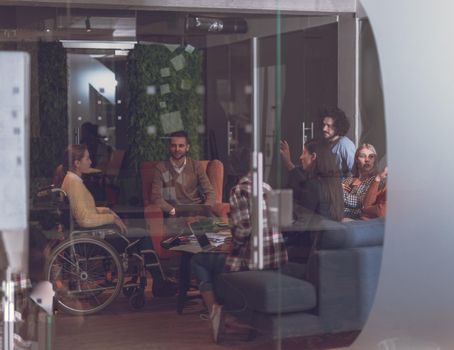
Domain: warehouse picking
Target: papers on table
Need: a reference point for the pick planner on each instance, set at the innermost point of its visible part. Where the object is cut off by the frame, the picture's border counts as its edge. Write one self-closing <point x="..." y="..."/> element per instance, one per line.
<point x="216" y="238"/>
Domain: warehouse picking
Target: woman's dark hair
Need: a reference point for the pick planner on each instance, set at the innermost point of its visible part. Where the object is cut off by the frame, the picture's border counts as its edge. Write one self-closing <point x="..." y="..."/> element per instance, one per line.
<point x="71" y="154"/>
<point x="325" y="169"/>
<point x="240" y="161"/>
<point x="340" y="121"/>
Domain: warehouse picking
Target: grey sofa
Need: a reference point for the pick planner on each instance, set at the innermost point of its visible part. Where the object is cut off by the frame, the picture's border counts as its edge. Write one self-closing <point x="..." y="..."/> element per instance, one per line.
<point x="332" y="294"/>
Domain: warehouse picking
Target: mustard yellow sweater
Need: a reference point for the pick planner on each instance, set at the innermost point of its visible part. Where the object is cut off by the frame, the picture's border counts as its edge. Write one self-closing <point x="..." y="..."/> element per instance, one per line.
<point x="82" y="204"/>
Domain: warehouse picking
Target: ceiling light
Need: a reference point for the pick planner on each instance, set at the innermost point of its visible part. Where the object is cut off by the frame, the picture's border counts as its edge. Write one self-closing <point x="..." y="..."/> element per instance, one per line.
<point x="48" y="25"/>
<point x="121" y="52"/>
<point x="89" y="44"/>
<point x="87" y="24"/>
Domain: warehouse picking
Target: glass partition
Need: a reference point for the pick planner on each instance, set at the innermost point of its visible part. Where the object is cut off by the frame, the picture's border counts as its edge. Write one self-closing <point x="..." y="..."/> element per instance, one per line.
<point x="173" y="170"/>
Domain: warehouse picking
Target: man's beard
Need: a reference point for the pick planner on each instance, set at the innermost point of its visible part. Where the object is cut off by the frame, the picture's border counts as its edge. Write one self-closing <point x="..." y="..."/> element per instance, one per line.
<point x="328" y="137"/>
<point x="178" y="157"/>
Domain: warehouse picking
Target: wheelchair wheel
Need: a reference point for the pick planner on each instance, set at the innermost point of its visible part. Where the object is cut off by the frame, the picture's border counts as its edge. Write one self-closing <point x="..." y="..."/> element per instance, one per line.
<point x="137" y="300"/>
<point x="86" y="274"/>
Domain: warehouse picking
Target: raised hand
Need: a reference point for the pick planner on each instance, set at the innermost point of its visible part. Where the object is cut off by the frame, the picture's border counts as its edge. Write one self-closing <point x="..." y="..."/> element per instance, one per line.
<point x="285" y="154"/>
<point x="382" y="176"/>
<point x="346" y="187"/>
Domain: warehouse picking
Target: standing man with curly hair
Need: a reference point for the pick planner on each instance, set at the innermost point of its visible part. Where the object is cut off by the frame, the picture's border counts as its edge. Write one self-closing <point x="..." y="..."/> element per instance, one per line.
<point x="334" y="126"/>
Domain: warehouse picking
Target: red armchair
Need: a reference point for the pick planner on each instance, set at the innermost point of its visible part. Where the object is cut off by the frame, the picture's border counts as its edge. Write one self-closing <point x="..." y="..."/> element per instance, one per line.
<point x="153" y="214"/>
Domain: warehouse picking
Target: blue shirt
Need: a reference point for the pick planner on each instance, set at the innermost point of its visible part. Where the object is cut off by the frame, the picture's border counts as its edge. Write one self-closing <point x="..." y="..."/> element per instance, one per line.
<point x="344" y="150"/>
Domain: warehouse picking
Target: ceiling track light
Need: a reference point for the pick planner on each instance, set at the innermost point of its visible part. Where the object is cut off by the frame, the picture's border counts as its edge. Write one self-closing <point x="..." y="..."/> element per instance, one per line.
<point x="48" y="25"/>
<point x="216" y="25"/>
<point x="87" y="24"/>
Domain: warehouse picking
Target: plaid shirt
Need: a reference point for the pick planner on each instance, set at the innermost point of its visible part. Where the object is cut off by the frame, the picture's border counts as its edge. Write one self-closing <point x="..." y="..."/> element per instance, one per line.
<point x="353" y="200"/>
<point x="240" y="258"/>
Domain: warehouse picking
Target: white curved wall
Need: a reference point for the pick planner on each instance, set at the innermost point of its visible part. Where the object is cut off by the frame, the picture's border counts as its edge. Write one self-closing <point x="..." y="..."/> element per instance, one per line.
<point x="414" y="305"/>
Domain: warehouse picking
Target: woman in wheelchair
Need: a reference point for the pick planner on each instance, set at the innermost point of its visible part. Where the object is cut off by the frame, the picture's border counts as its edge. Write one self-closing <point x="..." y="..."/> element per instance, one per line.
<point x="76" y="161"/>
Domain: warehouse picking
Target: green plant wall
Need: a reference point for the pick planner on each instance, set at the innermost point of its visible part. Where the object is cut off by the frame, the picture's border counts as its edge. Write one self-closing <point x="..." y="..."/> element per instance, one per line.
<point x="47" y="149"/>
<point x="165" y="92"/>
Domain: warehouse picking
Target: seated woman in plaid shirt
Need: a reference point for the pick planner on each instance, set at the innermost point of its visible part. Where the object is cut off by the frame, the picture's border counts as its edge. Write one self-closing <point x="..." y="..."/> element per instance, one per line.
<point x="238" y="258"/>
<point x="356" y="186"/>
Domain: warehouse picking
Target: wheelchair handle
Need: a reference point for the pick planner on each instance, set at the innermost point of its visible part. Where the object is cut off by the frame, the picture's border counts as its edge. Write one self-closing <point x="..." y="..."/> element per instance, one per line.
<point x="48" y="190"/>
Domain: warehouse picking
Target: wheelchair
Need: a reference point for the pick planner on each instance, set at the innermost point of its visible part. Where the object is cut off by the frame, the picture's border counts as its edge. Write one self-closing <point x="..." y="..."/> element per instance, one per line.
<point x="90" y="268"/>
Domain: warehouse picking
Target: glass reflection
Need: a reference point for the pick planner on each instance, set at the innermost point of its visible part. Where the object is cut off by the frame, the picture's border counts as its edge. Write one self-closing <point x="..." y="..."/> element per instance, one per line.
<point x="166" y="117"/>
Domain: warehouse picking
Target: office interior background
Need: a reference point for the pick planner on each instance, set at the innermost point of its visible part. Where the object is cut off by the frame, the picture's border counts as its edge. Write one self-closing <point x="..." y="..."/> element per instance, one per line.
<point x="141" y="70"/>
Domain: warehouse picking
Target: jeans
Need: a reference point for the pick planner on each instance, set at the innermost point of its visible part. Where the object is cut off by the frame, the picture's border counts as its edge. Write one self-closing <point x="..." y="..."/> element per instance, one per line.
<point x="206" y="266"/>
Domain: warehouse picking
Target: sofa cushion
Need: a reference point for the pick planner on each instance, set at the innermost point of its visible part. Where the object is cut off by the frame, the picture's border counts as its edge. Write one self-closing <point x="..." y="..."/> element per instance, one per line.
<point x="266" y="291"/>
<point x="360" y="233"/>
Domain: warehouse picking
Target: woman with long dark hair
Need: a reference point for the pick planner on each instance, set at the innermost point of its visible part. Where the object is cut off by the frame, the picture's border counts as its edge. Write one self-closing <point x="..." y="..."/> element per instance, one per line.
<point x="317" y="183"/>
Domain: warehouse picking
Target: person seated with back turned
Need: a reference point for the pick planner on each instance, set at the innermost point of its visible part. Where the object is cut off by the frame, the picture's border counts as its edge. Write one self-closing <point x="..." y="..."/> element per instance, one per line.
<point x="206" y="266"/>
<point x="316" y="184"/>
<point x="317" y="193"/>
<point x="356" y="186"/>
<point x="76" y="161"/>
<point x="334" y="125"/>
<point x="180" y="179"/>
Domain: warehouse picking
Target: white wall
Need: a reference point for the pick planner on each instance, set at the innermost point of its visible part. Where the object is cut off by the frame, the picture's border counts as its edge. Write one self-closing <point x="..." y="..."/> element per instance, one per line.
<point x="414" y="305"/>
<point x="14" y="153"/>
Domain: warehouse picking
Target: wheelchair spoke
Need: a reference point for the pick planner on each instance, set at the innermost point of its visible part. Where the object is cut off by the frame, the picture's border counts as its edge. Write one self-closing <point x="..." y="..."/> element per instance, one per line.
<point x="88" y="275"/>
<point x="96" y="298"/>
<point x="69" y="271"/>
<point x="67" y="260"/>
<point x="89" y="253"/>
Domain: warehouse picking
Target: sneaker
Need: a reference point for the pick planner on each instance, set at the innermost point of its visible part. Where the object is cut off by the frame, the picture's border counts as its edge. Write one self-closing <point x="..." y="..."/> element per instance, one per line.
<point x="216" y="321"/>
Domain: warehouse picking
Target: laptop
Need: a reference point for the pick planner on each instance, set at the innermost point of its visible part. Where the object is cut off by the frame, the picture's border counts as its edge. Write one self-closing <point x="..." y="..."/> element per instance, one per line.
<point x="193" y="210"/>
